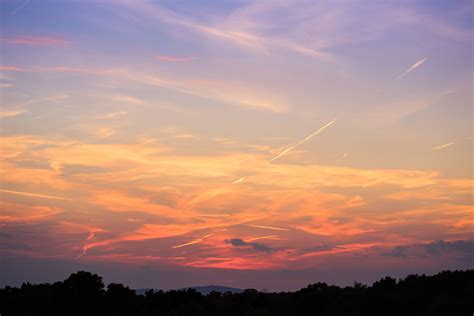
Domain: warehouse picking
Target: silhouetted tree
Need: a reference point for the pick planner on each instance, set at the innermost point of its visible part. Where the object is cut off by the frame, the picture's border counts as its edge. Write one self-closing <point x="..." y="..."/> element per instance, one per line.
<point x="83" y="293"/>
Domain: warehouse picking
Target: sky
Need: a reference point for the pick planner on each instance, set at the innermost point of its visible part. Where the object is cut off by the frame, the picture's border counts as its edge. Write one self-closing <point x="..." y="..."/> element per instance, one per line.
<point x="263" y="144"/>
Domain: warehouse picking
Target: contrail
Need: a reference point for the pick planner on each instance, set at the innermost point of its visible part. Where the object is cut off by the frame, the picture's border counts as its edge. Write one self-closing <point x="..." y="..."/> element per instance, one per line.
<point x="301" y="142"/>
<point x="21" y="6"/>
<point x="35" y="195"/>
<point x="84" y="247"/>
<point x="196" y="241"/>
<point x="239" y="180"/>
<point x="413" y="67"/>
<point x="268" y="227"/>
<point x="262" y="237"/>
<point x="442" y="146"/>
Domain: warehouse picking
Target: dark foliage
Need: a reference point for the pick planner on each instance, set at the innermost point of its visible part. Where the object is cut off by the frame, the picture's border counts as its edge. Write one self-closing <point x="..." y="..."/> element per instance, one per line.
<point x="84" y="293"/>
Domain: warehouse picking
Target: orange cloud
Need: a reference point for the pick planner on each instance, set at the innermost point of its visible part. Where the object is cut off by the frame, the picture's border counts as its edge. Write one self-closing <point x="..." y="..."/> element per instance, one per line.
<point x="11" y="113"/>
<point x="12" y="68"/>
<point x="268" y="227"/>
<point x="172" y="198"/>
<point x="193" y="242"/>
<point x="442" y="146"/>
<point x="16" y="212"/>
<point x="42" y="196"/>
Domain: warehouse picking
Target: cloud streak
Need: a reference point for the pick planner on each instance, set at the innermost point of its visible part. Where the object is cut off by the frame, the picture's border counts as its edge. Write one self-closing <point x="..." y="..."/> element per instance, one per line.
<point x="301" y="142"/>
<point x="228" y="92"/>
<point x="273" y="237"/>
<point x="42" y="196"/>
<point x="112" y="115"/>
<point x="35" y="41"/>
<point x="240" y="180"/>
<point x="233" y="34"/>
<point x="442" y="146"/>
<point x="20" y="7"/>
<point x="412" y="67"/>
<point x="175" y="59"/>
<point x="12" y="113"/>
<point x="268" y="227"/>
<point x="84" y="247"/>
<point x="193" y="242"/>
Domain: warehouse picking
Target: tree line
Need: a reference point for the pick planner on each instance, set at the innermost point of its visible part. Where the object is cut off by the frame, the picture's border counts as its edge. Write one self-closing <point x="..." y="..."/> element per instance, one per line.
<point x="84" y="293"/>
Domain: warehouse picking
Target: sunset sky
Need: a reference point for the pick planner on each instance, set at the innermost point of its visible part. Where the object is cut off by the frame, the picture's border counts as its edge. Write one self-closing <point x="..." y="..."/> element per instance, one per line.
<point x="265" y="144"/>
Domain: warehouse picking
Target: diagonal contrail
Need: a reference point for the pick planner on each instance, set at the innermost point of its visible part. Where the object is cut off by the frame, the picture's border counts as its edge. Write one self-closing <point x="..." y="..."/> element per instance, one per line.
<point x="442" y="146"/>
<point x="301" y="142"/>
<point x="84" y="247"/>
<point x="413" y="67"/>
<point x="239" y="180"/>
<point x="267" y="227"/>
<point x="196" y="241"/>
<point x="263" y="237"/>
<point x="24" y="4"/>
<point x="35" y="195"/>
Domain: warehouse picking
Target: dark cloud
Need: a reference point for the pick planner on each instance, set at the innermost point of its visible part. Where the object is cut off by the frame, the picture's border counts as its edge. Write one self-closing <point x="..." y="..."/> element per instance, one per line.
<point x="237" y="242"/>
<point x="320" y="247"/>
<point x="464" y="248"/>
<point x="17" y="246"/>
<point x="399" y="251"/>
<point x="441" y="246"/>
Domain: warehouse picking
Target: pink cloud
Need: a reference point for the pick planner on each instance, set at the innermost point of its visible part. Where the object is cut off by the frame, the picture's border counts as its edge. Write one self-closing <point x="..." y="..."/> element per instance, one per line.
<point x="175" y="59"/>
<point x="35" y="40"/>
<point x="11" y="68"/>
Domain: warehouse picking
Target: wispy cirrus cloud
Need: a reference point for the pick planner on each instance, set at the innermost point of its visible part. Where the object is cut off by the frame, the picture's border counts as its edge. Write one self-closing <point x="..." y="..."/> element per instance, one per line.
<point x="112" y="115"/>
<point x="175" y="59"/>
<point x="301" y="208"/>
<point x="440" y="27"/>
<point x="225" y="32"/>
<point x="228" y="92"/>
<point x="13" y="213"/>
<point x="35" y="40"/>
<point x="92" y="231"/>
<point x="35" y="195"/>
<point x="20" y="7"/>
<point x="173" y="198"/>
<point x="12" y="68"/>
<point x="5" y="113"/>
<point x="128" y="99"/>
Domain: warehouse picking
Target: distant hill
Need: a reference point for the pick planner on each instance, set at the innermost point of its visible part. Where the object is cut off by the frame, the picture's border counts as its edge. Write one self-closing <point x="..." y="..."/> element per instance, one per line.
<point x="204" y="290"/>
